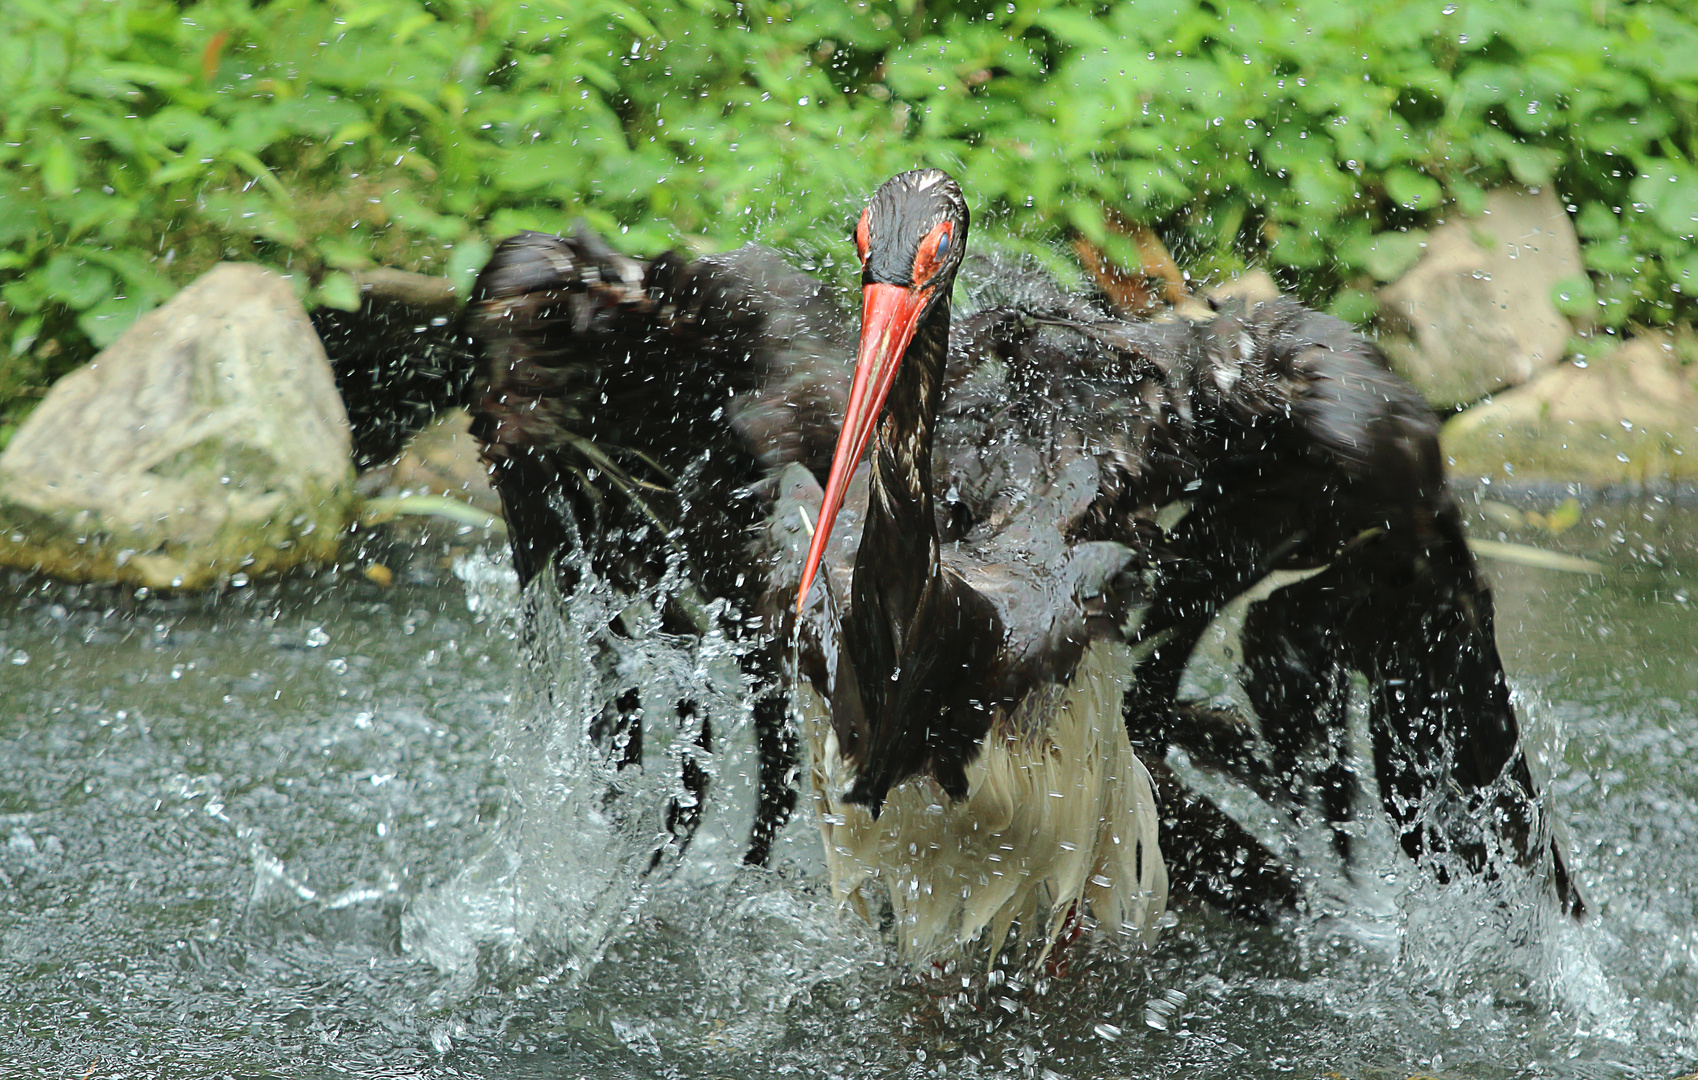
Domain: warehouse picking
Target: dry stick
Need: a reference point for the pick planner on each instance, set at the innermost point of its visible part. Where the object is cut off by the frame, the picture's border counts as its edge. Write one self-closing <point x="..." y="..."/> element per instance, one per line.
<point x="1157" y="282"/>
<point x="406" y="287"/>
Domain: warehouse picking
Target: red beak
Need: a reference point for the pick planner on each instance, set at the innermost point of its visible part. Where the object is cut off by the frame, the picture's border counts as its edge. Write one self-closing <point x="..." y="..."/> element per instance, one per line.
<point x="889" y="316"/>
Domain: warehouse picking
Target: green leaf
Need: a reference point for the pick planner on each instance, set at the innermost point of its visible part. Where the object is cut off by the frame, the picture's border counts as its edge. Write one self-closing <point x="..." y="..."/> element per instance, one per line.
<point x="73" y="282"/>
<point x="1597" y="221"/>
<point x="343" y="255"/>
<point x="137" y="274"/>
<point x="180" y="169"/>
<point x="145" y="74"/>
<point x="179" y="127"/>
<point x="255" y="168"/>
<point x="58" y="169"/>
<point x="20" y="220"/>
<point x="1683" y="273"/>
<point x="253" y="214"/>
<point x="23" y="340"/>
<point x="468" y="257"/>
<point x="1413" y="190"/>
<point x="1355" y="306"/>
<point x="105" y="321"/>
<point x="1300" y="248"/>
<point x="1077" y="28"/>
<point x="1387" y="255"/>
<point x="536" y="218"/>
<point x="338" y="290"/>
<point x="405" y="208"/>
<point x="26" y="295"/>
<point x="1574" y="297"/>
<point x="1470" y="198"/>
<point x="356" y="18"/>
<point x="1669" y="190"/>
<point x="317" y="116"/>
<point x="539" y="164"/>
<point x="1532" y="165"/>
<point x="412" y="25"/>
<point x="1087" y="217"/>
<point x="348" y="134"/>
<point x="631" y="16"/>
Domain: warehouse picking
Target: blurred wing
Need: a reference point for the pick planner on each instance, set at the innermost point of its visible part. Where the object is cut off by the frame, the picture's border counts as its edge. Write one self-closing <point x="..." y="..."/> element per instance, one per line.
<point x="618" y="396"/>
<point x="1157" y="469"/>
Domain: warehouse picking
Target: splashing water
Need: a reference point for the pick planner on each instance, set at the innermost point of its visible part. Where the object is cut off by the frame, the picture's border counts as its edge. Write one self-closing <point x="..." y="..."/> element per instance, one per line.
<point x="567" y="865"/>
<point x="324" y="828"/>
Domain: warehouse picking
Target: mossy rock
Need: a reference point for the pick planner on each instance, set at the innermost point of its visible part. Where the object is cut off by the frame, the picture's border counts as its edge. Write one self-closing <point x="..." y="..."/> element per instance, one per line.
<point x="1625" y="419"/>
<point x="208" y="440"/>
<point x="1476" y="313"/>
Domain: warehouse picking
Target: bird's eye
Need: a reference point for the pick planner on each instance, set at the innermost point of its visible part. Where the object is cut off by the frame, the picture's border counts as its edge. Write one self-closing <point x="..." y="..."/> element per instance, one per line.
<point x="861" y="235"/>
<point x="932" y="250"/>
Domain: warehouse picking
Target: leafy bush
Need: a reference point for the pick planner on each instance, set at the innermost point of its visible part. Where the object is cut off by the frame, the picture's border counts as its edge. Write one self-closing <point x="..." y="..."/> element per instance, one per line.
<point x="146" y="139"/>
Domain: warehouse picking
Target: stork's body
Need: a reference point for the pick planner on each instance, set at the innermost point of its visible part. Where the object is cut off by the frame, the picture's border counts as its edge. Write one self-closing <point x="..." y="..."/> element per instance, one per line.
<point x="1058" y="828"/>
<point x="962" y="667"/>
<point x="962" y="701"/>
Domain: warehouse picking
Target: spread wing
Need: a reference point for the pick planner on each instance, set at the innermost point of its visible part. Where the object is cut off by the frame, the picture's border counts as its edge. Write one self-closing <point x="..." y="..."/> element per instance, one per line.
<point x="682" y="413"/>
<point x="610" y="391"/>
<point x="620" y="409"/>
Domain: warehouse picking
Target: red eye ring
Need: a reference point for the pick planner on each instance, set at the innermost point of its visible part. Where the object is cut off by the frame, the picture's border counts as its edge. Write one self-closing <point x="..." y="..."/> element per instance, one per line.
<point x="932" y="251"/>
<point x="861" y="233"/>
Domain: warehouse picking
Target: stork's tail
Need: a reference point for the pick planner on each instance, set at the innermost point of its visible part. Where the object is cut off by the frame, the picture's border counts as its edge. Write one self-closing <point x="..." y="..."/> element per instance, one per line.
<point x="1059" y="819"/>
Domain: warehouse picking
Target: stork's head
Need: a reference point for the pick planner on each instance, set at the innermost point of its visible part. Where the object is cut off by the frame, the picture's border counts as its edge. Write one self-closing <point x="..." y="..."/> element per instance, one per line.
<point x="912" y="232"/>
<point x="910" y="238"/>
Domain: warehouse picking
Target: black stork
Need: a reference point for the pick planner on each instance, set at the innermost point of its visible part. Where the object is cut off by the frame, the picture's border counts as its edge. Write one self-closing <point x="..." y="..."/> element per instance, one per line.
<point x="981" y="631"/>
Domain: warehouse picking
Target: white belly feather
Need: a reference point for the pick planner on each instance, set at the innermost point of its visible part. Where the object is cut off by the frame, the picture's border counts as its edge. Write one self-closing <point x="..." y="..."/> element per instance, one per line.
<point x="1059" y="821"/>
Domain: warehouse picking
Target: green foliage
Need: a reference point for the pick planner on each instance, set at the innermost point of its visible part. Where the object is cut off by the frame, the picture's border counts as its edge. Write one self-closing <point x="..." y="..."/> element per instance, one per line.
<point x="146" y="139"/>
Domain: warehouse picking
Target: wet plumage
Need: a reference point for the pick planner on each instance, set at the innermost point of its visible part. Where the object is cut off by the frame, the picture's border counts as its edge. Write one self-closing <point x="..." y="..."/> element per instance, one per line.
<point x="1048" y="488"/>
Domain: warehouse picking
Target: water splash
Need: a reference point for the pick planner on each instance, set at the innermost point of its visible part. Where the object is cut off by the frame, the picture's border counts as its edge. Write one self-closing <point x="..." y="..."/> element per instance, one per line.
<point x="582" y="842"/>
<point x="709" y="962"/>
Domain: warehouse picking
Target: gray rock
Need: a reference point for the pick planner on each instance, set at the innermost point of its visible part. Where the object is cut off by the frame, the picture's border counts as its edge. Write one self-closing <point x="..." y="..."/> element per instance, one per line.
<point x="1625" y="419"/>
<point x="444" y="459"/>
<point x="1476" y="314"/>
<point x="207" y="440"/>
<point x="1249" y="289"/>
<point x="1252" y="287"/>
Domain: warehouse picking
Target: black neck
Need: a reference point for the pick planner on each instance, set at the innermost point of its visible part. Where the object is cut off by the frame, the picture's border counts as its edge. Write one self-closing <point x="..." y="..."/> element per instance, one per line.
<point x="924" y="645"/>
<point x="899" y="546"/>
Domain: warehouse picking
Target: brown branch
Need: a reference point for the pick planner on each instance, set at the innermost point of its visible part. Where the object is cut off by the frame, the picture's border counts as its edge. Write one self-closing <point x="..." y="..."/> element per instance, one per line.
<point x="1156" y="282"/>
<point x="404" y="287"/>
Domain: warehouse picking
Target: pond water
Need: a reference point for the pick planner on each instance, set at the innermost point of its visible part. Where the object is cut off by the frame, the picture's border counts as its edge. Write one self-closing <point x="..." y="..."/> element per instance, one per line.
<point x="326" y="827"/>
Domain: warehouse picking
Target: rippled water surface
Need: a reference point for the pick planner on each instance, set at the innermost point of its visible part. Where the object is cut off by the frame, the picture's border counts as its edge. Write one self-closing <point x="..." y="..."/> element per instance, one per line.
<point x="326" y="828"/>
